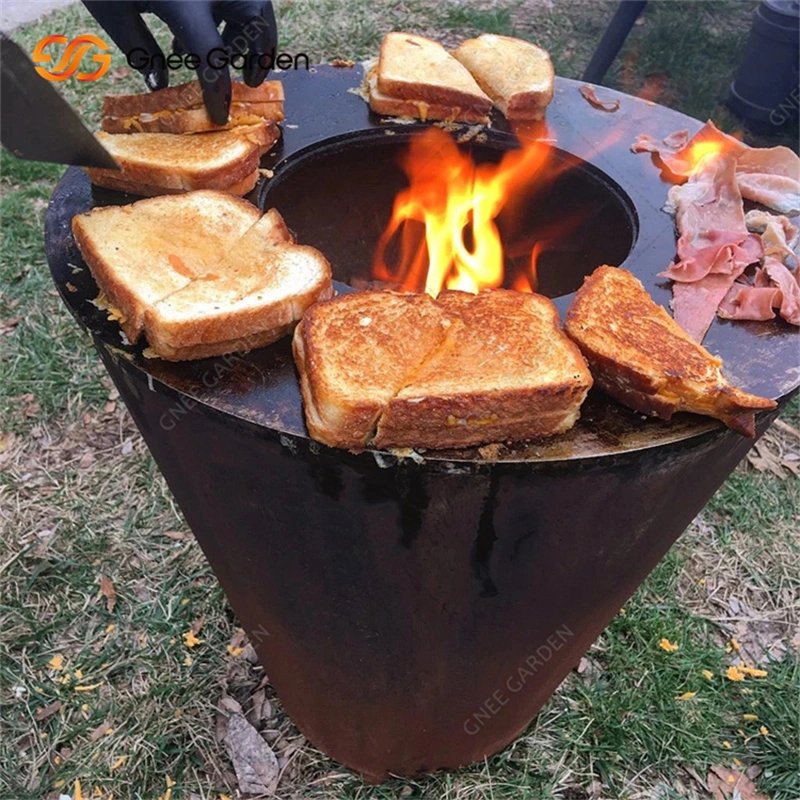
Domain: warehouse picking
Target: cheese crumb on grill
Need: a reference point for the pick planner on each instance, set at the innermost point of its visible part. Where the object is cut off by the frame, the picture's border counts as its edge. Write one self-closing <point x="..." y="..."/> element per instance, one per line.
<point x="104" y="304"/>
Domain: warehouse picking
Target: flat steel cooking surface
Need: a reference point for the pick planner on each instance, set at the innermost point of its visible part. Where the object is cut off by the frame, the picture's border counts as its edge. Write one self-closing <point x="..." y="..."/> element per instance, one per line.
<point x="325" y="117"/>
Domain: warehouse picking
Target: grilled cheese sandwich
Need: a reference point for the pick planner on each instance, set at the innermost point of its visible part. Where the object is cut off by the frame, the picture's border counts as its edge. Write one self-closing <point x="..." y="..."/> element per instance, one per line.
<point x="640" y="356"/>
<point x="386" y="369"/>
<point x="199" y="274"/>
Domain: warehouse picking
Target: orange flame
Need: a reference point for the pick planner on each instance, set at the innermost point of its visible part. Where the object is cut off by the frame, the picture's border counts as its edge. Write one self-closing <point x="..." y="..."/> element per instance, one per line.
<point x="700" y="149"/>
<point x="444" y="223"/>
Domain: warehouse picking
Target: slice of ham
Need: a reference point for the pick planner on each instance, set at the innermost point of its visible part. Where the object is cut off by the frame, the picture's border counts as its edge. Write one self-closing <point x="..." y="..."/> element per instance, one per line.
<point x="759" y="302"/>
<point x="770" y="176"/>
<point x="710" y="219"/>
<point x="789" y="288"/>
<point x="774" y="286"/>
<point x="714" y="246"/>
<point x="695" y="305"/>
<point x="755" y="303"/>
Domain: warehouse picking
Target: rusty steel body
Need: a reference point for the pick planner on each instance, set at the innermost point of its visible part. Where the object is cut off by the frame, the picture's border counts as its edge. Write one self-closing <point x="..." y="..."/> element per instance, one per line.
<point x="415" y="613"/>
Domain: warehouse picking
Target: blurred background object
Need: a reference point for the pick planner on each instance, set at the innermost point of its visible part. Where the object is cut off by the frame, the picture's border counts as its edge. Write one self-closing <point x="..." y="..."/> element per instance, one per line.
<point x="765" y="91"/>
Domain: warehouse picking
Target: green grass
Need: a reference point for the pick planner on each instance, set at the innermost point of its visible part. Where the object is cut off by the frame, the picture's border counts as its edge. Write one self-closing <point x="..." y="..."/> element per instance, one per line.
<point x="77" y="504"/>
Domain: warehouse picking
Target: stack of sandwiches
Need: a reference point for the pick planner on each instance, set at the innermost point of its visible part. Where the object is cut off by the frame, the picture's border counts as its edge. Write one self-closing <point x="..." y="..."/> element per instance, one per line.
<point x="165" y="142"/>
<point x="416" y="77"/>
<point x="200" y="274"/>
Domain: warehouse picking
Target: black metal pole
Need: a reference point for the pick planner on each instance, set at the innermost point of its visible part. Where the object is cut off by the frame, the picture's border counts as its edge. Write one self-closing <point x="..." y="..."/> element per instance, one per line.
<point x="618" y="29"/>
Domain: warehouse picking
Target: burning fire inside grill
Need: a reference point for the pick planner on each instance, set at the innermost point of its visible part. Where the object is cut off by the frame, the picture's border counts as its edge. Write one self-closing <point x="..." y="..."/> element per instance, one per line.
<point x="444" y="233"/>
<point x="444" y="225"/>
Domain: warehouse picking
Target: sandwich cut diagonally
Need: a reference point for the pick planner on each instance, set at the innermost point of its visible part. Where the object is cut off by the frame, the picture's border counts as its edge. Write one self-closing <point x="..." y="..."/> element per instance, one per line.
<point x="201" y="273"/>
<point x="417" y="77"/>
<point x="640" y="356"/>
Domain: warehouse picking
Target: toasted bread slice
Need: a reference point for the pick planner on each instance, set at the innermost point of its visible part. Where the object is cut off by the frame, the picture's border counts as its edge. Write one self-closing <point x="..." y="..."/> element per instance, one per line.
<point x="355" y="353"/>
<point x="118" y="184"/>
<point x="142" y="252"/>
<point x="242" y="344"/>
<point x="201" y="273"/>
<point x="193" y="120"/>
<point x="414" y="68"/>
<point x="517" y="75"/>
<point x="507" y="373"/>
<point x="186" y="96"/>
<point x="264" y="283"/>
<point x="215" y="160"/>
<point x="418" y="109"/>
<point x="643" y="358"/>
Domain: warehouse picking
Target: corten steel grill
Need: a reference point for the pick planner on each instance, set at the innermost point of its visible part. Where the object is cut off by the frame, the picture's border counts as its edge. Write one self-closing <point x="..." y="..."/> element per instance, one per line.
<point x="415" y="614"/>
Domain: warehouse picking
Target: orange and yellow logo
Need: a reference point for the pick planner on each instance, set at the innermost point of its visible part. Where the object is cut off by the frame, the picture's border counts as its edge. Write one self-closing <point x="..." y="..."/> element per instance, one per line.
<point x="70" y="59"/>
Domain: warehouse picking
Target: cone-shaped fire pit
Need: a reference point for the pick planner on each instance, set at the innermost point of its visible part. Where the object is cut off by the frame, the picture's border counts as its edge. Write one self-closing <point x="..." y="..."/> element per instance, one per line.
<point x="414" y="613"/>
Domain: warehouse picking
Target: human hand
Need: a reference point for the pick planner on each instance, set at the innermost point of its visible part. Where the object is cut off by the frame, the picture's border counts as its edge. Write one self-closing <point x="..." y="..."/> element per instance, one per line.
<point x="249" y="27"/>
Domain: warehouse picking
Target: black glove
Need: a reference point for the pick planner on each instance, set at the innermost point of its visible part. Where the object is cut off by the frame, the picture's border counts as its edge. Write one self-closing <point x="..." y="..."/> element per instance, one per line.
<point x="249" y="27"/>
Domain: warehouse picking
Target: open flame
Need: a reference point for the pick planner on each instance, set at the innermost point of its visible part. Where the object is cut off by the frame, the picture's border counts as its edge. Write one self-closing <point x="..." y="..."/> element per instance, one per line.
<point x="700" y="149"/>
<point x="708" y="141"/>
<point x="444" y="224"/>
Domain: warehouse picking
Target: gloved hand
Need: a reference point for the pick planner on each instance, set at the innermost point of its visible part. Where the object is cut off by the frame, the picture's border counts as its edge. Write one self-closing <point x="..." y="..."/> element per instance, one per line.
<point x="249" y="26"/>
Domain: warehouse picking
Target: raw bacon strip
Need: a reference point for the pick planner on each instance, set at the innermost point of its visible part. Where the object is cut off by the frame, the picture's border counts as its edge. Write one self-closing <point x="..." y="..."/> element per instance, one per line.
<point x="770" y="176"/>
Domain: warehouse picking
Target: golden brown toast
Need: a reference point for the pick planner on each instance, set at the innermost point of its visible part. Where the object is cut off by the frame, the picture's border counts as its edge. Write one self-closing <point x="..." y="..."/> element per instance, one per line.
<point x="418" y="109"/>
<point x="420" y="70"/>
<point x="403" y="370"/>
<point x="284" y="281"/>
<point x="517" y="75"/>
<point x="118" y="184"/>
<point x="640" y="356"/>
<point x="240" y="344"/>
<point x="507" y="373"/>
<point x="142" y="252"/>
<point x="217" y="160"/>
<point x="355" y="353"/>
<point x="201" y="273"/>
<point x="180" y="109"/>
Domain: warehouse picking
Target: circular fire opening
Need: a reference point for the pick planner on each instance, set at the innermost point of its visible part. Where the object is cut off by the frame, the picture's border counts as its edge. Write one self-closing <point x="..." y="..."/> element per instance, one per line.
<point x="338" y="197"/>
